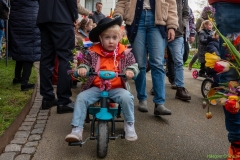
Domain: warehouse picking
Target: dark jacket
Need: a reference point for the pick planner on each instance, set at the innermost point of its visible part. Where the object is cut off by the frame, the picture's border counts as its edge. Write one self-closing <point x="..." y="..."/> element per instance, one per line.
<point x="213" y="46"/>
<point x="203" y="38"/>
<point x="24" y="35"/>
<point x="183" y="15"/>
<point x="57" y="11"/>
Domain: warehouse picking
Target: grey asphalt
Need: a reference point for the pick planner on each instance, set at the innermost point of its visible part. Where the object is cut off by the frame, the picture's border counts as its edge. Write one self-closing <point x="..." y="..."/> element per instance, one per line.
<point x="184" y="135"/>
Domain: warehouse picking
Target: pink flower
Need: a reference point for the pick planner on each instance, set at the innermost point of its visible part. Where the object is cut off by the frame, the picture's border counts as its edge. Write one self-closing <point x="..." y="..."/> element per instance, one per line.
<point x="79" y="56"/>
<point x="221" y="66"/>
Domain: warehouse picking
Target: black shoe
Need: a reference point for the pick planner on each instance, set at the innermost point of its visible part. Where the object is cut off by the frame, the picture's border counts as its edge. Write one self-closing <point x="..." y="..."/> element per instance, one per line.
<point x="48" y="104"/>
<point x="65" y="108"/>
<point x="17" y="80"/>
<point x="27" y="87"/>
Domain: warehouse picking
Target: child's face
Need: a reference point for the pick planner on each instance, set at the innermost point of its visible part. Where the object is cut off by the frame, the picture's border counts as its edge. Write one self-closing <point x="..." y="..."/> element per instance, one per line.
<point x="109" y="40"/>
<point x="89" y="26"/>
<point x="208" y="26"/>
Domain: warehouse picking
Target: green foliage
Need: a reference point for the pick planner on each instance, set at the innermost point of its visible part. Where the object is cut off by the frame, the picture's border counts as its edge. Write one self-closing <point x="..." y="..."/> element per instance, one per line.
<point x="12" y="100"/>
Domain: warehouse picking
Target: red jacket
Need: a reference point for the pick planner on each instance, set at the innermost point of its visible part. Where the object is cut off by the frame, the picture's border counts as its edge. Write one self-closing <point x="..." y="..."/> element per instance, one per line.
<point x="229" y="1"/>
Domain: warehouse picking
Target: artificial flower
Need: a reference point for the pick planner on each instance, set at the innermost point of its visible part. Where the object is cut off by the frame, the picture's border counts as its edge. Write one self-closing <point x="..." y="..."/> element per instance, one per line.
<point x="211" y="59"/>
<point x="221" y="66"/>
<point x="232" y="106"/>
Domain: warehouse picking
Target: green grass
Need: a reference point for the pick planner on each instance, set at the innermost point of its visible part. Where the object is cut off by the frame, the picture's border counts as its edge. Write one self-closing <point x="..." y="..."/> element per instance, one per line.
<point x="12" y="100"/>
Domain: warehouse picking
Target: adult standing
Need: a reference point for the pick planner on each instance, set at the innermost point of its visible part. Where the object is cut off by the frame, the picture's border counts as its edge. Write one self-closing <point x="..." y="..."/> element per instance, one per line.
<point x="148" y="21"/>
<point x="56" y="22"/>
<point x="176" y="48"/>
<point x="25" y="40"/>
<point x="97" y="15"/>
<point x="228" y="24"/>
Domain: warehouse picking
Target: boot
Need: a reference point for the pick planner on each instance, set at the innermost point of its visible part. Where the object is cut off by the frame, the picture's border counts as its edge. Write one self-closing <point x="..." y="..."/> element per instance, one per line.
<point x="182" y="94"/>
<point x="161" y="110"/>
<point x="26" y="87"/>
<point x="143" y="106"/>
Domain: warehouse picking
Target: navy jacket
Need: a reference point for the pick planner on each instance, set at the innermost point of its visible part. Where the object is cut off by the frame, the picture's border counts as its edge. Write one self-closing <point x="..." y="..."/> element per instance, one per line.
<point x="57" y="11"/>
<point x="24" y="35"/>
<point x="213" y="46"/>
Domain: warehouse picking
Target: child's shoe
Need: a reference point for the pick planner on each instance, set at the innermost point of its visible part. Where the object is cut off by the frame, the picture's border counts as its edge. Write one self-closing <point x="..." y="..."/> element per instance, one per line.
<point x="234" y="152"/>
<point x="75" y="135"/>
<point x="130" y="133"/>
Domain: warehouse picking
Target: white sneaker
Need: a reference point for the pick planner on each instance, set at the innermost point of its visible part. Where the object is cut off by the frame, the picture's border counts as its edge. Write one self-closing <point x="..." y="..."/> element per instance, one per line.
<point x="130" y="133"/>
<point x="75" y="135"/>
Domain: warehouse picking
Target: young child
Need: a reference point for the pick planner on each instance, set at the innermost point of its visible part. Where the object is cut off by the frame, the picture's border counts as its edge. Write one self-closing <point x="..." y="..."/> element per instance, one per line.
<point x="109" y="54"/>
<point x="205" y="32"/>
<point x="82" y="29"/>
<point x="213" y="47"/>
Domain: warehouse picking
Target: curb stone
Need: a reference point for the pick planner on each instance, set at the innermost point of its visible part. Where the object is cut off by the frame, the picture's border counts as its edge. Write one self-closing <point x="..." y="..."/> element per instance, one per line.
<point x="26" y="140"/>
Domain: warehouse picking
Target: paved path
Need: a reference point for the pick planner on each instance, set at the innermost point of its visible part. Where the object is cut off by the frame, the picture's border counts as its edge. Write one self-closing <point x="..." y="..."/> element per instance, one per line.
<point x="185" y="135"/>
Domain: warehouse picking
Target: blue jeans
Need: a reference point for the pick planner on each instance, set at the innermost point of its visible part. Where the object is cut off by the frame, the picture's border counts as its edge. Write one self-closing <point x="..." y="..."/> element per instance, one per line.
<point x="227" y="23"/>
<point x="119" y="95"/>
<point x="149" y="34"/>
<point x="176" y="48"/>
<point x="1" y="36"/>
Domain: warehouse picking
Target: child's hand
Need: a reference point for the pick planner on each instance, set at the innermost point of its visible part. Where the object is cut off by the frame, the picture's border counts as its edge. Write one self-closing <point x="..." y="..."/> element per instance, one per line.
<point x="82" y="72"/>
<point x="129" y="74"/>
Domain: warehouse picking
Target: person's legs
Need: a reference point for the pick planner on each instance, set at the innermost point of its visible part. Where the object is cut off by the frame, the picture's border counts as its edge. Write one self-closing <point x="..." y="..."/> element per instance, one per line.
<point x="170" y="67"/>
<point x="55" y="72"/>
<point x="26" y="73"/>
<point x="63" y="45"/>
<point x="193" y="60"/>
<point x="125" y="99"/>
<point x="46" y="64"/>
<point x="139" y="51"/>
<point x="228" y="23"/>
<point x="202" y="71"/>
<point x="156" y="46"/>
<point x="83" y="100"/>
<point x="18" y="72"/>
<point x="176" y="48"/>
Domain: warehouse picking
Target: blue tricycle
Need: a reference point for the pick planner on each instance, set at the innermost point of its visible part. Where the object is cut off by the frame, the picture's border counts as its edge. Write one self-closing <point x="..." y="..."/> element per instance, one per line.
<point x="103" y="114"/>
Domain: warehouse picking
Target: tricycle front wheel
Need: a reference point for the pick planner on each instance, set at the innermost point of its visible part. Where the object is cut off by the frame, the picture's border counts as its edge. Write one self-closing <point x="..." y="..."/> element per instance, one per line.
<point x="102" y="139"/>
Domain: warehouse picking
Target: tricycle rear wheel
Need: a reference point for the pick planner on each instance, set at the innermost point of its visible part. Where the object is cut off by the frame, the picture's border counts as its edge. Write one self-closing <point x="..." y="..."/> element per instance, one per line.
<point x="102" y="139"/>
